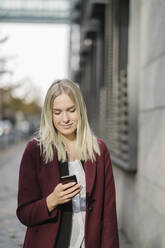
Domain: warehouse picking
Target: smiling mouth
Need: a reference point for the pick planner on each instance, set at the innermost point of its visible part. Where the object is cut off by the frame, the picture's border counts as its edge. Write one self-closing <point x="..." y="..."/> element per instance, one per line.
<point x="66" y="126"/>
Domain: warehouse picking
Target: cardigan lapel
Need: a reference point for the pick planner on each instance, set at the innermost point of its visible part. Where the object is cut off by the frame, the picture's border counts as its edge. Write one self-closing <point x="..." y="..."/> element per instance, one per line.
<point x="50" y="174"/>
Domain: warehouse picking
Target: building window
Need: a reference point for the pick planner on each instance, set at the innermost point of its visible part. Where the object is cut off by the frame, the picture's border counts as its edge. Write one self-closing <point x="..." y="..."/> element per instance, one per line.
<point x="118" y="104"/>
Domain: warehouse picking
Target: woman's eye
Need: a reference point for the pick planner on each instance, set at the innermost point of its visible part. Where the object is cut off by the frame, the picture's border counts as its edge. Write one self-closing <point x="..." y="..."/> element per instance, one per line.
<point x="72" y="110"/>
<point x="56" y="113"/>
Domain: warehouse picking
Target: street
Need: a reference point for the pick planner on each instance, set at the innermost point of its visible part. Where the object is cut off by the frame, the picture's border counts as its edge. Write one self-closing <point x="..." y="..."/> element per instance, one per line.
<point x="11" y="230"/>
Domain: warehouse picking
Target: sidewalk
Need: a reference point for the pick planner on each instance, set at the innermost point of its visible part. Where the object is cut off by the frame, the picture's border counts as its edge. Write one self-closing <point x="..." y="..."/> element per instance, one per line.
<point x="12" y="232"/>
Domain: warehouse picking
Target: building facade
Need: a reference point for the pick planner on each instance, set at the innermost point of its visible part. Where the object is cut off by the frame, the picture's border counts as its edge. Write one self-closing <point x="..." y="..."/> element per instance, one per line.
<point x="118" y="57"/>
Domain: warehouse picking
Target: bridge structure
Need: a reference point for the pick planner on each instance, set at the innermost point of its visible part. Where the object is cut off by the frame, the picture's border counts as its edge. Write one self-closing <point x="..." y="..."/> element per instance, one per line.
<point x="35" y="11"/>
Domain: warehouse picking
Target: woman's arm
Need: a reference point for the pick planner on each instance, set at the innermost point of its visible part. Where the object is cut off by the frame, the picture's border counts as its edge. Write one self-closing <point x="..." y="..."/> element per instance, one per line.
<point x="32" y="207"/>
<point x="109" y="229"/>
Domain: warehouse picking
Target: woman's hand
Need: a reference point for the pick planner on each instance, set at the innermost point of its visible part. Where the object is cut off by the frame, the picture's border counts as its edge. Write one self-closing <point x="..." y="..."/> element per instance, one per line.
<point x="61" y="194"/>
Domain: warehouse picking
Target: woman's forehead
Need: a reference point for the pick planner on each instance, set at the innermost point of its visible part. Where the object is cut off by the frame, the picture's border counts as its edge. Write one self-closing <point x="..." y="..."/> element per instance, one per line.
<point x="63" y="101"/>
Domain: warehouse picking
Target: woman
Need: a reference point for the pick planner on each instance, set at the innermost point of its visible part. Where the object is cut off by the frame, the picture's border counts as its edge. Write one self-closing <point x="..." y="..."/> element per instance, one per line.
<point x="70" y="215"/>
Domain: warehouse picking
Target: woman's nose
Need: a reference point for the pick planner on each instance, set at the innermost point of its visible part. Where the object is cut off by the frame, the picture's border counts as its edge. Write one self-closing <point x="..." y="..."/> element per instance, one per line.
<point x="65" y="117"/>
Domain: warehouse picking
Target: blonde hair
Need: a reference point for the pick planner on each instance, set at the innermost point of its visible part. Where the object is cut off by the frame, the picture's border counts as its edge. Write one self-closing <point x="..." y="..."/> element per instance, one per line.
<point x="49" y="139"/>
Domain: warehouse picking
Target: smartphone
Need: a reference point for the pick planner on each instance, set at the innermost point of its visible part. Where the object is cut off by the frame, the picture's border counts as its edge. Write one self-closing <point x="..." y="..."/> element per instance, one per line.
<point x="68" y="179"/>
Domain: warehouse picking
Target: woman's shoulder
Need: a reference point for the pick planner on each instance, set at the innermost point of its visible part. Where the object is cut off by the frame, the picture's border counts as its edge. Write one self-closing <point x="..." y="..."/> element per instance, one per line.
<point x="101" y="143"/>
<point x="32" y="145"/>
<point x="104" y="150"/>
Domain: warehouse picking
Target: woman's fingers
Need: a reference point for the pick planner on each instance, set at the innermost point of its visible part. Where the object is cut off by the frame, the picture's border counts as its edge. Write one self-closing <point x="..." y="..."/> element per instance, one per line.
<point x="62" y="193"/>
<point x="67" y="185"/>
<point x="65" y="192"/>
<point x="70" y="192"/>
<point x="71" y="189"/>
<point x="71" y="195"/>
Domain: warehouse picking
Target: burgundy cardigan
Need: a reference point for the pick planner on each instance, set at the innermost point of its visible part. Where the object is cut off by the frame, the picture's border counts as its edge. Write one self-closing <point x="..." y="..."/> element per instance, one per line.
<point x="37" y="180"/>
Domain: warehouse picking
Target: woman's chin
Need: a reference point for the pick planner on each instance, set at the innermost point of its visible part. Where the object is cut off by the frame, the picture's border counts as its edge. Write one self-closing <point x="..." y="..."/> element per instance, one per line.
<point x="67" y="132"/>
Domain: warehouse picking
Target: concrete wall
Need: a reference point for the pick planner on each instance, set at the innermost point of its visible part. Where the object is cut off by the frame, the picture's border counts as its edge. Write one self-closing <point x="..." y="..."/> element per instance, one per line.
<point x="141" y="197"/>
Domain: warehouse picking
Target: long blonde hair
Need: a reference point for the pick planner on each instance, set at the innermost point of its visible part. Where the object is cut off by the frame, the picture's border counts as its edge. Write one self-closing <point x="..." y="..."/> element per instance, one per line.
<point x="49" y="139"/>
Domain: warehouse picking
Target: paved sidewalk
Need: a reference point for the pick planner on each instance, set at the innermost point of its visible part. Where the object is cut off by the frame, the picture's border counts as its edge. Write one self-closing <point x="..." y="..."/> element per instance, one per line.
<point x="11" y="230"/>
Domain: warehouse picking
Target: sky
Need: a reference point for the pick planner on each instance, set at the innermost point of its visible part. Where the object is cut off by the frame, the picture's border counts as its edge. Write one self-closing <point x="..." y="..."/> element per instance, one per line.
<point x="38" y="54"/>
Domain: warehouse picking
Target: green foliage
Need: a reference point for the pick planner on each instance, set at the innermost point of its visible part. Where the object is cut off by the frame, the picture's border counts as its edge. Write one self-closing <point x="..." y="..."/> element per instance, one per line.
<point x="9" y="105"/>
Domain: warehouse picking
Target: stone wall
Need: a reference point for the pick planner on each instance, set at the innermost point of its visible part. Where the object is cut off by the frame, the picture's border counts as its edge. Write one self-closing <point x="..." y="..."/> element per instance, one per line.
<point x="141" y="197"/>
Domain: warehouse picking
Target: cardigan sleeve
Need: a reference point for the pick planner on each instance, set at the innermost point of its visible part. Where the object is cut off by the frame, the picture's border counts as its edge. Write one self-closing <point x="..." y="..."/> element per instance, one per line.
<point x="109" y="226"/>
<point x="32" y="208"/>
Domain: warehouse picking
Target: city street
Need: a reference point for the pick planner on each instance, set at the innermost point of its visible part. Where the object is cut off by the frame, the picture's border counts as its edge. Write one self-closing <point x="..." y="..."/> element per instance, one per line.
<point x="11" y="230"/>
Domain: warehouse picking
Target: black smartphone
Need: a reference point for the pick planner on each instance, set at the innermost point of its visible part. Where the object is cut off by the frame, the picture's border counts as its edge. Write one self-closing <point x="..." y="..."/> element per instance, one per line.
<point x="68" y="179"/>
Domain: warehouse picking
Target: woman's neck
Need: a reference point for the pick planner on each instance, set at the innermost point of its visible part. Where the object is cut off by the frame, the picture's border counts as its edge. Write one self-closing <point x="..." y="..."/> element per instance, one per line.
<point x="70" y="148"/>
<point x="68" y="140"/>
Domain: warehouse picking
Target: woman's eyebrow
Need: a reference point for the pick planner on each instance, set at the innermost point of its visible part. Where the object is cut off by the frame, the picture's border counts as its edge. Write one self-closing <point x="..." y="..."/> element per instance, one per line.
<point x="57" y="109"/>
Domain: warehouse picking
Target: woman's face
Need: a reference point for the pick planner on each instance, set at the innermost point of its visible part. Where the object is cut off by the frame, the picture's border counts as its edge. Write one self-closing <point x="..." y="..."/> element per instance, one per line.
<point x="65" y="116"/>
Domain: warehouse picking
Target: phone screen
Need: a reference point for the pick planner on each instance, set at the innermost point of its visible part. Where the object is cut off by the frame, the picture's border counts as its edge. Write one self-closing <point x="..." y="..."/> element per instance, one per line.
<point x="68" y="179"/>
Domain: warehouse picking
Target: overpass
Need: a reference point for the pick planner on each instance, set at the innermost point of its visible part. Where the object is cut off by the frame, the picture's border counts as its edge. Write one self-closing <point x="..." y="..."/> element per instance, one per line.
<point x="35" y="11"/>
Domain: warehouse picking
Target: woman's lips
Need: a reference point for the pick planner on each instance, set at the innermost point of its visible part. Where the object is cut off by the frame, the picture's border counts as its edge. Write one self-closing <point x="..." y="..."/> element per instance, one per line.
<point x="67" y="126"/>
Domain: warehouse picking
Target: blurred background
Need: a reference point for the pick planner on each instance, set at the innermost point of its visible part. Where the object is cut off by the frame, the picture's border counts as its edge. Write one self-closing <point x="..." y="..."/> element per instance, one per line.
<point x="115" y="50"/>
